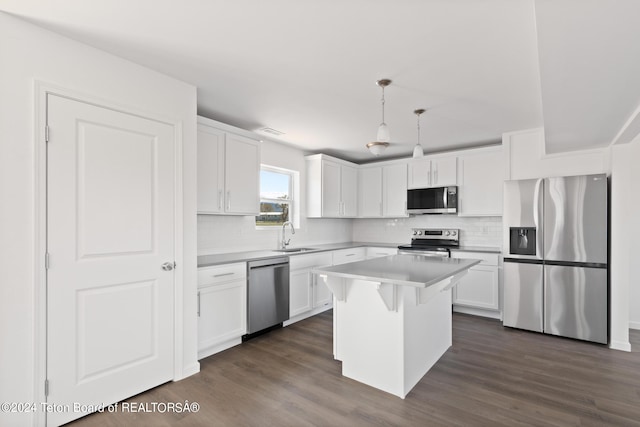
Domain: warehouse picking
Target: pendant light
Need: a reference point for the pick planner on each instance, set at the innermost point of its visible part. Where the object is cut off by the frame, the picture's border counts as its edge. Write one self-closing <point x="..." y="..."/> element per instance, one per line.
<point x="417" y="150"/>
<point x="382" y="140"/>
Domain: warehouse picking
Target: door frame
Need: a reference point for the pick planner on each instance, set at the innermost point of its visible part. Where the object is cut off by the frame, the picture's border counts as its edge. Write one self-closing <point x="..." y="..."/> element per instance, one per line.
<point x="41" y="91"/>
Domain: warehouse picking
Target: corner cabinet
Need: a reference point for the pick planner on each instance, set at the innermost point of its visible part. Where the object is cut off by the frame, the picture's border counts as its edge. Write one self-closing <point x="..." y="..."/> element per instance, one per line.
<point x="332" y="187"/>
<point x="480" y="182"/>
<point x="432" y="171"/>
<point x="228" y="172"/>
<point x="222" y="307"/>
<point x="478" y="292"/>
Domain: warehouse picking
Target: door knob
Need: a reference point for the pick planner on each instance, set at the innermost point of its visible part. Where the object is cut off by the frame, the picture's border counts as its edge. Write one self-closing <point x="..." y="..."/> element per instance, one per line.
<point x="168" y="266"/>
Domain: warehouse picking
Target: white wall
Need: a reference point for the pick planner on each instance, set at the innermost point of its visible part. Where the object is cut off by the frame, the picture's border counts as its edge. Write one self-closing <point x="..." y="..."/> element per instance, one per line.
<point x="27" y="54"/>
<point x="218" y="233"/>
<point x="625" y="233"/>
<point x="480" y="231"/>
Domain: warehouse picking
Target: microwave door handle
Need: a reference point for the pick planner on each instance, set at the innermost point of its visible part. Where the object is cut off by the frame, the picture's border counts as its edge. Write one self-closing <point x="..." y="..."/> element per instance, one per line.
<point x="444" y="198"/>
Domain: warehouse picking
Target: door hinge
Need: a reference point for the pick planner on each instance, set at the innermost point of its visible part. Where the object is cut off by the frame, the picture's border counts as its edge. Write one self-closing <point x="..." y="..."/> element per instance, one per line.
<point x="46" y="133"/>
<point x="46" y="387"/>
<point x="46" y="261"/>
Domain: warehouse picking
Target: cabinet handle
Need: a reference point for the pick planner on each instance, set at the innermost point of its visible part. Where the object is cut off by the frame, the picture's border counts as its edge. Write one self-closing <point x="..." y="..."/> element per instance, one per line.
<point x="223" y="274"/>
<point x="350" y="254"/>
<point x="219" y="199"/>
<point x="228" y="200"/>
<point x="198" y="303"/>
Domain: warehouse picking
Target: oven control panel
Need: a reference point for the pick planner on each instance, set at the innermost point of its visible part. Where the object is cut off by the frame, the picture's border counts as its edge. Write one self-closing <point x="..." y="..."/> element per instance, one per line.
<point x="435" y="234"/>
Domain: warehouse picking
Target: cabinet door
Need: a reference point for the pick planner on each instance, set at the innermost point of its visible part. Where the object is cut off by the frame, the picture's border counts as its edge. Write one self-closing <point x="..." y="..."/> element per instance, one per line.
<point x="480" y="181"/>
<point x="349" y="191"/>
<point x="419" y="175"/>
<point x="210" y="170"/>
<point x="221" y="313"/>
<point x="370" y="192"/>
<point x="444" y="171"/>
<point x="331" y="206"/>
<point x="242" y="181"/>
<point x="478" y="289"/>
<point x="300" y="292"/>
<point x="321" y="294"/>
<point x="394" y="185"/>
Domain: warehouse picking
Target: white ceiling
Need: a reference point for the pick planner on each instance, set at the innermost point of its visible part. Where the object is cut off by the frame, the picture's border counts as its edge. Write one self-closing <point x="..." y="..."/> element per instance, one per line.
<point x="308" y="68"/>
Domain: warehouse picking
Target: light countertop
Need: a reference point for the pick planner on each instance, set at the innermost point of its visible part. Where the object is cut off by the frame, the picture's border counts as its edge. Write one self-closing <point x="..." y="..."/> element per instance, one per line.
<point x="244" y="256"/>
<point x="227" y="258"/>
<point x="407" y="270"/>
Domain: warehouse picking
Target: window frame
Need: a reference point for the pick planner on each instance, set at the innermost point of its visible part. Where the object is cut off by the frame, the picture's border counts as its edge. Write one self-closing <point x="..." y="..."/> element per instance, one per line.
<point x="291" y="201"/>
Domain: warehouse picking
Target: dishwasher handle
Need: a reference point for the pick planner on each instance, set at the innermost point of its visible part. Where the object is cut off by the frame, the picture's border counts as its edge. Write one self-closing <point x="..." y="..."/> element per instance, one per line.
<point x="267" y="262"/>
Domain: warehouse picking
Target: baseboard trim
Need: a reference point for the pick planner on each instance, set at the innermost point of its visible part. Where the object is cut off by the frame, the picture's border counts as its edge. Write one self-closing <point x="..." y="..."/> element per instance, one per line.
<point x="634" y="325"/>
<point x="478" y="312"/>
<point x="620" y="345"/>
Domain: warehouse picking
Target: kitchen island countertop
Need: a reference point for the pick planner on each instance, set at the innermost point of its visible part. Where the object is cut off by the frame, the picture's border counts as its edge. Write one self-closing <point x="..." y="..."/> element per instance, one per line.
<point x="403" y="269"/>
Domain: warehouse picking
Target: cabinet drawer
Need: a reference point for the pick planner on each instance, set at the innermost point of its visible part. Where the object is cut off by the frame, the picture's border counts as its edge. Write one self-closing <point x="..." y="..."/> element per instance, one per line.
<point x="221" y="273"/>
<point x="374" y="252"/>
<point x="344" y="256"/>
<point x="487" y="258"/>
<point x="298" y="262"/>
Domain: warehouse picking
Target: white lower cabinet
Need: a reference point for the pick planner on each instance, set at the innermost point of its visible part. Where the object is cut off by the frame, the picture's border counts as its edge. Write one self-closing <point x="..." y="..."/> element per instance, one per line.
<point x="307" y="295"/>
<point x="478" y="292"/>
<point x="222" y="307"/>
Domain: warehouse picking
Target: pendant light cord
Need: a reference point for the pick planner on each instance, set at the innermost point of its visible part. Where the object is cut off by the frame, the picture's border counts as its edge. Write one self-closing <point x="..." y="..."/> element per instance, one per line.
<point x="382" y="104"/>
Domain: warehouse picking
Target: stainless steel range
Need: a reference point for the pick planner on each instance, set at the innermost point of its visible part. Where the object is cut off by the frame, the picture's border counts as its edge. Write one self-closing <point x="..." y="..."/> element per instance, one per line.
<point x="432" y="242"/>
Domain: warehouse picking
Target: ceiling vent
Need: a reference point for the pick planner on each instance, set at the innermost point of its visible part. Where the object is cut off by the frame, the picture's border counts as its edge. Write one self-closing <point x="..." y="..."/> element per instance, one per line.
<point x="271" y="131"/>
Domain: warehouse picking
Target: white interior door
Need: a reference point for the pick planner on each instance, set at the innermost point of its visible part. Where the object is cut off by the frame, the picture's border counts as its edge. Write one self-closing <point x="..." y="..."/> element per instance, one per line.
<point x="110" y="227"/>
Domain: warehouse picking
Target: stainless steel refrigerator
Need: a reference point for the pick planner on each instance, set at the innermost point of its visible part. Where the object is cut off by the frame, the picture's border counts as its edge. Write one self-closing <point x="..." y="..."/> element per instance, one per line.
<point x="556" y="251"/>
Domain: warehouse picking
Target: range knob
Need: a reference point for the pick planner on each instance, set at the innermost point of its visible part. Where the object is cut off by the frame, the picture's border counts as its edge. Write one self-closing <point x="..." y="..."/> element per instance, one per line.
<point x="415" y="233"/>
<point x="420" y="233"/>
<point x="453" y="233"/>
<point x="447" y="233"/>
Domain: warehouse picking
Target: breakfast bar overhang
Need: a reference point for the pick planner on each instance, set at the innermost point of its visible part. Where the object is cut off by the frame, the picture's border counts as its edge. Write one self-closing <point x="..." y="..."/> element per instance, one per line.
<point x="392" y="317"/>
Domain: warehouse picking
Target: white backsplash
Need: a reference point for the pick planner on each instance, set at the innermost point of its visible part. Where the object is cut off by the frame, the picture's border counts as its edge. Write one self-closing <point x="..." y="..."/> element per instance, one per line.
<point x="474" y="231"/>
<point x="220" y="233"/>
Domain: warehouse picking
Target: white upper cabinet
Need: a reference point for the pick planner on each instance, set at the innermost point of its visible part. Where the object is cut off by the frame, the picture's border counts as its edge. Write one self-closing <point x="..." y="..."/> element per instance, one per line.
<point x="394" y="190"/>
<point x="210" y="170"/>
<point x="332" y="187"/>
<point x="432" y="172"/>
<point x="349" y="191"/>
<point x="382" y="191"/>
<point x="228" y="172"/>
<point x="480" y="182"/>
<point x="370" y="192"/>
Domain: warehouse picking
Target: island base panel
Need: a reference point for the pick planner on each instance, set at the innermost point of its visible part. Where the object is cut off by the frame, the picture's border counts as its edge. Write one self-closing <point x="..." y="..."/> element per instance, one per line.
<point x="390" y="349"/>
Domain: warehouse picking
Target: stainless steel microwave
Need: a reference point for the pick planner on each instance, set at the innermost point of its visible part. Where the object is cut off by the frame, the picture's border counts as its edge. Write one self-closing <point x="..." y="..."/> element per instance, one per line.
<point x="437" y="200"/>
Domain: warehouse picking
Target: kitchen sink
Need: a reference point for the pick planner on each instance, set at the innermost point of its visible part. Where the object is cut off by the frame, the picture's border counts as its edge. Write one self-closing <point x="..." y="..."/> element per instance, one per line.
<point x="289" y="250"/>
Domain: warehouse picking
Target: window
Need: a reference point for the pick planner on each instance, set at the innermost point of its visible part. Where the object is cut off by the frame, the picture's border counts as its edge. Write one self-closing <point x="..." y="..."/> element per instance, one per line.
<point x="276" y="196"/>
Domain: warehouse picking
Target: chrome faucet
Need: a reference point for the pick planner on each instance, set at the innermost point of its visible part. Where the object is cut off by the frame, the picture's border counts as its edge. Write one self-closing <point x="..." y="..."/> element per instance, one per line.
<point x="285" y="242"/>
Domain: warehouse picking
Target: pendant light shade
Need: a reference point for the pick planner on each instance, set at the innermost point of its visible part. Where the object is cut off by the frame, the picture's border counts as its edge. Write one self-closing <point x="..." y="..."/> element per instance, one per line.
<point x="417" y="150"/>
<point x="383" y="137"/>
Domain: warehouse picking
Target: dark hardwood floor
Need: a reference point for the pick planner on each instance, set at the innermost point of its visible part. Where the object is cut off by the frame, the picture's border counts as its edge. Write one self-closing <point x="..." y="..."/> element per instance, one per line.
<point x="490" y="376"/>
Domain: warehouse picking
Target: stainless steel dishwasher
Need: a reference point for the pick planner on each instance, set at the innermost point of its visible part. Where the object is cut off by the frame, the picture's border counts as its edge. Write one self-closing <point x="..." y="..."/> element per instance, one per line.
<point x="267" y="294"/>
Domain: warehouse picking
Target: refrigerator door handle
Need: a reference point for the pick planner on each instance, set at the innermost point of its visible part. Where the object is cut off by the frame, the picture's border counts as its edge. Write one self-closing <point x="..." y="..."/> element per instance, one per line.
<point x="538" y="215"/>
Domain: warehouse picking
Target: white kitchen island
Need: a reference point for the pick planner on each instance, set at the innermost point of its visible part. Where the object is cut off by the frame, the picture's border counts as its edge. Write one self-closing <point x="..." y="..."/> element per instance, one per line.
<point x="392" y="317"/>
